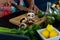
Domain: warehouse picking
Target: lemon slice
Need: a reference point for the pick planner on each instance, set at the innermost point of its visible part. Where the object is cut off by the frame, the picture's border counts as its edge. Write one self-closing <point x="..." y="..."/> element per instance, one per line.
<point x="53" y="34"/>
<point x="45" y="33"/>
<point x="49" y="28"/>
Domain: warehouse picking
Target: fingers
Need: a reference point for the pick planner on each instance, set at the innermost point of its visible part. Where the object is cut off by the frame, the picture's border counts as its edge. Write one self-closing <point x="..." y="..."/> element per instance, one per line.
<point x="6" y="1"/>
<point x="31" y="6"/>
<point x="13" y="2"/>
<point x="9" y="2"/>
<point x="2" y="1"/>
<point x="36" y="9"/>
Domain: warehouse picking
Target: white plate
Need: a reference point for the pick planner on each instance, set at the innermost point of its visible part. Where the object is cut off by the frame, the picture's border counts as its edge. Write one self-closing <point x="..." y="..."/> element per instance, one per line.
<point x="54" y="38"/>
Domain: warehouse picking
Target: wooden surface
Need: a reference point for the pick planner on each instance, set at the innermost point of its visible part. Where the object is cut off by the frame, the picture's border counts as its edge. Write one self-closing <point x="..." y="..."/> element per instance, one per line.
<point x="18" y="18"/>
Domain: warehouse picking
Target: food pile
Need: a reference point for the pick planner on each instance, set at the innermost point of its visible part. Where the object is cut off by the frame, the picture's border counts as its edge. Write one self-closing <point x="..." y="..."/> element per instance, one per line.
<point x="27" y="20"/>
<point x="49" y="32"/>
<point x="28" y="31"/>
<point x="57" y="5"/>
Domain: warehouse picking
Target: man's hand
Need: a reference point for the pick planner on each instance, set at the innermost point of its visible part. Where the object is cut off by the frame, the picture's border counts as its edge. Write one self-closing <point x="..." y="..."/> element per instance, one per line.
<point x="8" y="2"/>
<point x="34" y="8"/>
<point x="13" y="2"/>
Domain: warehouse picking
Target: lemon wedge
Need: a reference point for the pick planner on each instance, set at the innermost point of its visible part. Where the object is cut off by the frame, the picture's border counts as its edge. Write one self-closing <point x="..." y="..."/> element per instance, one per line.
<point x="49" y="28"/>
<point x="53" y="34"/>
<point x="45" y="33"/>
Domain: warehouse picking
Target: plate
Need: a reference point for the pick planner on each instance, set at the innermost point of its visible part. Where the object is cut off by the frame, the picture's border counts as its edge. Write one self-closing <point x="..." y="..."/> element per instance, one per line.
<point x="54" y="38"/>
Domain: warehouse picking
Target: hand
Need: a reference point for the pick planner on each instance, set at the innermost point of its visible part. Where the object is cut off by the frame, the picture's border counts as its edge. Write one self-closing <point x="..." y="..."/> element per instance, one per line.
<point x="8" y="2"/>
<point x="2" y="1"/>
<point x="13" y="2"/>
<point x="34" y="7"/>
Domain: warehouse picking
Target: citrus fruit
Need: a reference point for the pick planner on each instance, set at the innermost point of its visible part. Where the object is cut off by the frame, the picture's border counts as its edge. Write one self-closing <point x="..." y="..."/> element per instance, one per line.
<point x="45" y="33"/>
<point x="53" y="34"/>
<point x="49" y="28"/>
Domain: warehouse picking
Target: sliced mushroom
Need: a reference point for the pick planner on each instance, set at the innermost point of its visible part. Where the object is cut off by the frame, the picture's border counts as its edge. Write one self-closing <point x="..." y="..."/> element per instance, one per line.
<point x="24" y="20"/>
<point x="30" y="21"/>
<point x="23" y="25"/>
<point x="31" y="15"/>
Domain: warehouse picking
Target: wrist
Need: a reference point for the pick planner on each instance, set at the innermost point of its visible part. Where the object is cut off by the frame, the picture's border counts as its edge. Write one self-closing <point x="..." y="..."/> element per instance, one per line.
<point x="30" y="2"/>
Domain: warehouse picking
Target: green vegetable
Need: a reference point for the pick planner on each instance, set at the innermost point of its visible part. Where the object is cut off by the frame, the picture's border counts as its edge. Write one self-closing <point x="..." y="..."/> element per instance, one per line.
<point x="7" y="30"/>
<point x="30" y="31"/>
<point x="54" y="14"/>
<point x="40" y="14"/>
<point x="36" y="27"/>
<point x="49" y="20"/>
<point x="58" y="17"/>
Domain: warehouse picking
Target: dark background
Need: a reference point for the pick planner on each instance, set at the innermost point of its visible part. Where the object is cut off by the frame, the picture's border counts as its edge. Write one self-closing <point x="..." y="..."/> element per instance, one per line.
<point x="42" y="4"/>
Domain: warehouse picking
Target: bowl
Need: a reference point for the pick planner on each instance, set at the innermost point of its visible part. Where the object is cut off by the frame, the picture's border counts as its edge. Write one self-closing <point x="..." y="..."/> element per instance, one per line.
<point x="53" y="38"/>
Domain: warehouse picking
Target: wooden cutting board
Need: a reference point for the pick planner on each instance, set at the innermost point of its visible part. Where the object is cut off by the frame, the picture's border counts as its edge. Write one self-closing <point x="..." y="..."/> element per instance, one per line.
<point x="18" y="18"/>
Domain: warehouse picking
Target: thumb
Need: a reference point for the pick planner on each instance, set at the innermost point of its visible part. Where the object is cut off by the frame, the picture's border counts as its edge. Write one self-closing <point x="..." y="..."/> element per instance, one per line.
<point x="13" y="2"/>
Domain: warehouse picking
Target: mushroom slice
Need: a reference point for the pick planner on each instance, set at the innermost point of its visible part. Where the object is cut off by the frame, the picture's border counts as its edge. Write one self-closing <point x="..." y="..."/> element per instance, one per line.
<point x="23" y="25"/>
<point x="31" y="15"/>
<point x="30" y="21"/>
<point x="23" y="20"/>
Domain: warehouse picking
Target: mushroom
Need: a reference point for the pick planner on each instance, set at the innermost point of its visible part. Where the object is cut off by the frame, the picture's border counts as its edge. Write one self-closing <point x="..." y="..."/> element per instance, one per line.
<point x="23" y="25"/>
<point x="23" y="20"/>
<point x="30" y="21"/>
<point x="31" y="15"/>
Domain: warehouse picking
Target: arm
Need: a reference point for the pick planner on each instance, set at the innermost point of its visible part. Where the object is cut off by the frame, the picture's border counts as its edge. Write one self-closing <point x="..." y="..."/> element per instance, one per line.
<point x="30" y="1"/>
<point x="19" y="7"/>
<point x="32" y="6"/>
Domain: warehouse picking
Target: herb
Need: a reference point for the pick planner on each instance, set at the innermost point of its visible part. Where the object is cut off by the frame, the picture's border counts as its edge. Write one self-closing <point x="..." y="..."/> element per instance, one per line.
<point x="30" y="31"/>
<point x="40" y="14"/>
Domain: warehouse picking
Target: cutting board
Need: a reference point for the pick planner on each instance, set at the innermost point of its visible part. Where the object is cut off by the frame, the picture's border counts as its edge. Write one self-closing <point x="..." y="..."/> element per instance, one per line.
<point x="16" y="20"/>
